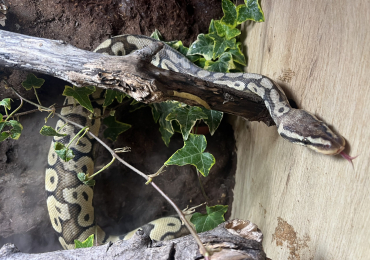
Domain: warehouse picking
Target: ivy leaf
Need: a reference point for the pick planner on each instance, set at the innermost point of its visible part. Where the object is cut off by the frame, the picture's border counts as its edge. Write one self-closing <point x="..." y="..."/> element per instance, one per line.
<point x="221" y="45"/>
<point x="49" y="131"/>
<point x="115" y="128"/>
<point x="2" y="124"/>
<point x="214" y="217"/>
<point x="250" y="11"/>
<point x="202" y="46"/>
<point x="63" y="152"/>
<point x="213" y="119"/>
<point x="16" y="130"/>
<point x="85" y="179"/>
<point x="3" y="136"/>
<point x="193" y="153"/>
<point x="223" y="64"/>
<point x="178" y="45"/>
<point x="110" y="95"/>
<point x="156" y="35"/>
<point x="226" y="31"/>
<point x="201" y="62"/>
<point x="89" y="242"/>
<point x="186" y="117"/>
<point x="166" y="135"/>
<point x="212" y="28"/>
<point x="32" y="82"/>
<point x="230" y="13"/>
<point x="135" y="105"/>
<point x="162" y="110"/>
<point x="6" y="103"/>
<point x="81" y="95"/>
<point x="237" y="55"/>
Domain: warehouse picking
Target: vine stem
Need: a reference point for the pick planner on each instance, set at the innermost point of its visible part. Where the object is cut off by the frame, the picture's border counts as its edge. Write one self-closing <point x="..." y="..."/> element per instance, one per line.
<point x="102" y="169"/>
<point x="74" y="138"/>
<point x="11" y="114"/>
<point x="37" y="96"/>
<point x="202" y="248"/>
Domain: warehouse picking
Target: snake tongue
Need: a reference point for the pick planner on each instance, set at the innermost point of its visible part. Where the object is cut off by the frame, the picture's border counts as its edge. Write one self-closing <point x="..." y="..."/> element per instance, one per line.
<point x="347" y="157"/>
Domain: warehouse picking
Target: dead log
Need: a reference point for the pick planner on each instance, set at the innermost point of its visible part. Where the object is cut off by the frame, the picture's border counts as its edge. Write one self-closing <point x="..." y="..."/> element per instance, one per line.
<point x="132" y="74"/>
<point x="235" y="239"/>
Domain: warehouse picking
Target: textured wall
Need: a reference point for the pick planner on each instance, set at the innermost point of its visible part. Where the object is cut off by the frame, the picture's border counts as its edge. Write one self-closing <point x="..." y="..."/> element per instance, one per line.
<point x="310" y="206"/>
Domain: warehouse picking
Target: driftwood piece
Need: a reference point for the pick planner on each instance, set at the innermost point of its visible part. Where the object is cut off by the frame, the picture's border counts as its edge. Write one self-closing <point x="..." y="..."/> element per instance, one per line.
<point x="132" y="74"/>
<point x="235" y="239"/>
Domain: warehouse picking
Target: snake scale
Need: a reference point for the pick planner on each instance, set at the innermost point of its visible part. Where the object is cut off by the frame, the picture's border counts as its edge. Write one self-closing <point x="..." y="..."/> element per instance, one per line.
<point x="69" y="201"/>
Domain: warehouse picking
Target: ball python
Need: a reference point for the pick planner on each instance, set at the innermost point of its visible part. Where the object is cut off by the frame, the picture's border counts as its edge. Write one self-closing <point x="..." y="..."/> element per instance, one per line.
<point x="69" y="201"/>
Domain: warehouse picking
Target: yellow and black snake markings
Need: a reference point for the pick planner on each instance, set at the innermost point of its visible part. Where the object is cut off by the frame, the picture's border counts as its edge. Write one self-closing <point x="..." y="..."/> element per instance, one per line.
<point x="69" y="201"/>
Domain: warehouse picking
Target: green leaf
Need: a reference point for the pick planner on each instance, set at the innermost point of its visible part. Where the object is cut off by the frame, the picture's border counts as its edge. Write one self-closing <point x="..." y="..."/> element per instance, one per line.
<point x="110" y="95"/>
<point x="16" y="130"/>
<point x="136" y="105"/>
<point x="115" y="128"/>
<point x="2" y="125"/>
<point x="186" y="117"/>
<point x="3" y="136"/>
<point x="161" y="111"/>
<point x="193" y="153"/>
<point x="6" y="103"/>
<point x="230" y="13"/>
<point x="226" y="31"/>
<point x="166" y="135"/>
<point x="238" y="68"/>
<point x="49" y="131"/>
<point x="250" y="11"/>
<point x="201" y="62"/>
<point x="85" y="179"/>
<point x="202" y="46"/>
<point x="63" y="152"/>
<point x="32" y="82"/>
<point x="178" y="45"/>
<point x="212" y="28"/>
<point x="156" y="35"/>
<point x="223" y="64"/>
<point x="213" y="119"/>
<point x="214" y="217"/>
<point x="89" y="242"/>
<point x="81" y="95"/>
<point x="1" y="118"/>
<point x="221" y="45"/>
<point x="237" y="55"/>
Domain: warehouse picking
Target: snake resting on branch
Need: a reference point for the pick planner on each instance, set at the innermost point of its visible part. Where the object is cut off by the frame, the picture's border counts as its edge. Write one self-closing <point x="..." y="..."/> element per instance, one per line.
<point x="69" y="201"/>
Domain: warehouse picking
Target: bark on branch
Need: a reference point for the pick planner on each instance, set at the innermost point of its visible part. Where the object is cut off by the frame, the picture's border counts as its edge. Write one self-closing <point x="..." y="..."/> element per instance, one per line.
<point x="236" y="239"/>
<point x="132" y="74"/>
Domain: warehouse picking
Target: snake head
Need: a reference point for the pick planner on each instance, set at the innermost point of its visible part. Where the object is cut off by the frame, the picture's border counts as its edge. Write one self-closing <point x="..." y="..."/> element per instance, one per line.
<point x="301" y="127"/>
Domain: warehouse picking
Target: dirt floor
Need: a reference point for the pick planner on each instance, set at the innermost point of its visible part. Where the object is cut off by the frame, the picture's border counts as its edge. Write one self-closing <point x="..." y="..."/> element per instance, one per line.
<point x="121" y="199"/>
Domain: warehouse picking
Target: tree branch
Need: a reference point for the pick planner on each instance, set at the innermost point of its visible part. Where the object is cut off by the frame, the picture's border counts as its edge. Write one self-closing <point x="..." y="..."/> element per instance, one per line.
<point x="236" y="239"/>
<point x="131" y="74"/>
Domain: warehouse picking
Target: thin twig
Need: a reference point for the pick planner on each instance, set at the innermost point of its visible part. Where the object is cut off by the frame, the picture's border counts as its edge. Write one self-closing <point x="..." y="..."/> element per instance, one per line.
<point x="202" y="249"/>
<point x="38" y="110"/>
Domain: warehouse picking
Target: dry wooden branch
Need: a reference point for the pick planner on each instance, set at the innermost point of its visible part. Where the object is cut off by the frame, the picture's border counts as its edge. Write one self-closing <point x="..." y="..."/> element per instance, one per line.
<point x="132" y="74"/>
<point x="236" y="239"/>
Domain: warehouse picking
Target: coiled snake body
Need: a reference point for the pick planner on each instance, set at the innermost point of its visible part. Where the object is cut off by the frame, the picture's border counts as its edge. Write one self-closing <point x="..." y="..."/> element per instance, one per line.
<point x="69" y="201"/>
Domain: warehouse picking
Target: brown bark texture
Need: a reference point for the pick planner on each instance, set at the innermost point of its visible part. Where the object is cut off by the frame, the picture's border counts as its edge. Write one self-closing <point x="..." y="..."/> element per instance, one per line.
<point x="235" y="239"/>
<point x="132" y="74"/>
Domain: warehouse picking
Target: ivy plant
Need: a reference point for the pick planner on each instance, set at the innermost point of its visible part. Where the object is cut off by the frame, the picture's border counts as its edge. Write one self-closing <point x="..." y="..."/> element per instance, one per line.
<point x="217" y="51"/>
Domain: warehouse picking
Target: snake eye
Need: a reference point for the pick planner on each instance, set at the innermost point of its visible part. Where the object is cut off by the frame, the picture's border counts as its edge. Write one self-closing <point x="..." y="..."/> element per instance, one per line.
<point x="305" y="141"/>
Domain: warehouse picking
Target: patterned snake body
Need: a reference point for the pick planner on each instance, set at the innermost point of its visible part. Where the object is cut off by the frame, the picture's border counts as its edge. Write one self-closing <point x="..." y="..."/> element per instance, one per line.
<point x="69" y="201"/>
